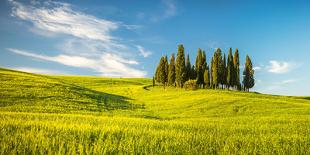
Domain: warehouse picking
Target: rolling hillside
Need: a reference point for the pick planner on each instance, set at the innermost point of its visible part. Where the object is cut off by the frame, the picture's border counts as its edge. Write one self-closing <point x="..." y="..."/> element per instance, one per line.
<point x="84" y="115"/>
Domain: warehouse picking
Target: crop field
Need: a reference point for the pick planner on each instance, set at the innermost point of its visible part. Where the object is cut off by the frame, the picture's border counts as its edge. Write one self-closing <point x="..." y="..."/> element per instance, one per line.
<point x="42" y="114"/>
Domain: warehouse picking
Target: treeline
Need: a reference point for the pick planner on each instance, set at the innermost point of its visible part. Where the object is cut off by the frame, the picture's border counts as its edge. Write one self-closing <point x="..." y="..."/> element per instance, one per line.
<point x="222" y="73"/>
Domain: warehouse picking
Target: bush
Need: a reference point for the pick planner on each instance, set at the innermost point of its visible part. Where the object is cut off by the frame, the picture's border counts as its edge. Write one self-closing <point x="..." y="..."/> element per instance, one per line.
<point x="191" y="85"/>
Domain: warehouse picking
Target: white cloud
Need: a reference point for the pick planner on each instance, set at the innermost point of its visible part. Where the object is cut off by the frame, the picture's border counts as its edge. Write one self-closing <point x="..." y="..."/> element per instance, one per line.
<point x="288" y="81"/>
<point x="257" y="68"/>
<point x="143" y="52"/>
<point x="280" y="67"/>
<point x="40" y="71"/>
<point x="107" y="65"/>
<point x="169" y="10"/>
<point x="60" y="18"/>
<point x="90" y="43"/>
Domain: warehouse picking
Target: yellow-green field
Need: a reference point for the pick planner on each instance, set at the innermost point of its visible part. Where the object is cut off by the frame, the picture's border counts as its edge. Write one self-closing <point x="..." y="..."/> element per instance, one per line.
<point x="91" y="115"/>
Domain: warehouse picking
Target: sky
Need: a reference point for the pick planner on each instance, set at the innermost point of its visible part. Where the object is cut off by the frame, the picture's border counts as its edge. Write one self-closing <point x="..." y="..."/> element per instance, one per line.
<point x="114" y="38"/>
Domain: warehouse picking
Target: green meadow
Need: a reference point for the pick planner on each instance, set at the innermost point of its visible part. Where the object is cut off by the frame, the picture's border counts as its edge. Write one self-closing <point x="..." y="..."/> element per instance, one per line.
<point x="41" y="114"/>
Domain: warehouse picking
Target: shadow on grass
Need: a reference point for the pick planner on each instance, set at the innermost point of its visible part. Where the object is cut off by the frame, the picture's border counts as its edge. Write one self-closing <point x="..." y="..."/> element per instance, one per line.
<point x="106" y="101"/>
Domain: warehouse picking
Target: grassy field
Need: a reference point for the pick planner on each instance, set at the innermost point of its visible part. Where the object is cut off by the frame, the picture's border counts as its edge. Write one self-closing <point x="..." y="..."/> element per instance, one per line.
<point x="42" y="114"/>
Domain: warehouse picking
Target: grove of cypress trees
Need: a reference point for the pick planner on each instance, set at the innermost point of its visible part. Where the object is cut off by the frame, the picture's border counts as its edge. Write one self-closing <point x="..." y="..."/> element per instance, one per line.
<point x="180" y="67"/>
<point x="248" y="74"/>
<point x="171" y="73"/>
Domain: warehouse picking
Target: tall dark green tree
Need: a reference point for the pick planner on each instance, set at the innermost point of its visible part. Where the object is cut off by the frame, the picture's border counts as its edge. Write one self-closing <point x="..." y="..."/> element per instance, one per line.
<point x="161" y="71"/>
<point x="206" y="77"/>
<point x="193" y="72"/>
<point x="199" y="67"/>
<point x="188" y="68"/>
<point x="171" y="73"/>
<point x="166" y="70"/>
<point x="211" y="73"/>
<point x="248" y="74"/>
<point x="157" y="79"/>
<point x="223" y="71"/>
<point x="180" y="67"/>
<point x="230" y="69"/>
<point x="237" y="70"/>
<point x="204" y="65"/>
<point x="217" y="66"/>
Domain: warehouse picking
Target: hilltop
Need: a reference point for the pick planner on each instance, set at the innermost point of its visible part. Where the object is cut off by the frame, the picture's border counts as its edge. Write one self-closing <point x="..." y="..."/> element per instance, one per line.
<point x="84" y="114"/>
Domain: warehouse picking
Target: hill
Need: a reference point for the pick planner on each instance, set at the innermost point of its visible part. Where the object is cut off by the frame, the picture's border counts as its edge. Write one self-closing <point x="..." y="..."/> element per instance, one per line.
<point x="78" y="114"/>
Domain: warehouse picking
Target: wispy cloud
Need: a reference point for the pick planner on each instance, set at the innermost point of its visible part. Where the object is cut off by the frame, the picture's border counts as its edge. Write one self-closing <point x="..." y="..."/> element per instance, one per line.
<point x="90" y="43"/>
<point x="60" y="18"/>
<point x="143" y="52"/>
<point x="257" y="68"/>
<point x="280" y="67"/>
<point x="288" y="81"/>
<point x="169" y="9"/>
<point x="106" y="65"/>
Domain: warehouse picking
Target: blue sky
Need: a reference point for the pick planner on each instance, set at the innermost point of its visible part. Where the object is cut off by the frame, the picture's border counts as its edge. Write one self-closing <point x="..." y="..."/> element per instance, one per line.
<point x="127" y="38"/>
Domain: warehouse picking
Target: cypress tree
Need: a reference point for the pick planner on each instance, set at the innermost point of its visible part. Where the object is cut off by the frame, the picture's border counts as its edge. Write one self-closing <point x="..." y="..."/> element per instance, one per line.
<point x="171" y="74"/>
<point x="166" y="70"/>
<point x="206" y="77"/>
<point x="224" y="71"/>
<point x="237" y="70"/>
<point x="215" y="71"/>
<point x="248" y="74"/>
<point x="211" y="73"/>
<point x="204" y="66"/>
<point x="193" y="72"/>
<point x="188" y="67"/>
<point x="157" y="79"/>
<point x="230" y="69"/>
<point x="180" y="67"/>
<point x="161" y="71"/>
<point x="198" y="67"/>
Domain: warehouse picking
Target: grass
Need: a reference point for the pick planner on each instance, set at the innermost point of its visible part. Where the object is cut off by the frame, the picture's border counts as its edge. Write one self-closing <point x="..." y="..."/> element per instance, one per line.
<point x="42" y="114"/>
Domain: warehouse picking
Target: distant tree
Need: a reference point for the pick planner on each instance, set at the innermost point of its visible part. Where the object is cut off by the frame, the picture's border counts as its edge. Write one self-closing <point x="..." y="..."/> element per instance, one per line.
<point x="223" y="71"/>
<point x="166" y="70"/>
<point x="248" y="74"/>
<point x="180" y="67"/>
<point x="171" y="73"/>
<point x="161" y="71"/>
<point x="237" y="70"/>
<point x="204" y="65"/>
<point x="207" y="77"/>
<point x="216" y="70"/>
<point x="153" y="81"/>
<point x="157" y="79"/>
<point x="188" y="67"/>
<point x="199" y="71"/>
<point x="211" y="73"/>
<point x="230" y="70"/>
<point x="193" y="72"/>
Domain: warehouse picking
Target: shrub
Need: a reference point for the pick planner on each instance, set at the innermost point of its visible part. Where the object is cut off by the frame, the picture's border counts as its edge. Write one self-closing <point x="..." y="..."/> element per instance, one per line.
<point x="191" y="85"/>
